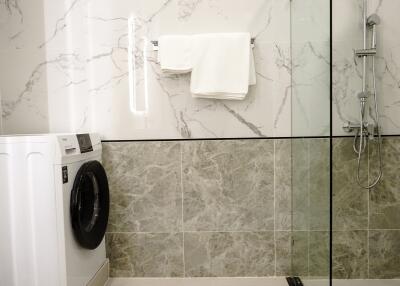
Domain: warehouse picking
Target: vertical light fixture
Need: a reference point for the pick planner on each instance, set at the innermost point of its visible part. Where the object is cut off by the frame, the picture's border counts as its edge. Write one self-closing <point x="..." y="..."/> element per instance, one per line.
<point x="137" y="105"/>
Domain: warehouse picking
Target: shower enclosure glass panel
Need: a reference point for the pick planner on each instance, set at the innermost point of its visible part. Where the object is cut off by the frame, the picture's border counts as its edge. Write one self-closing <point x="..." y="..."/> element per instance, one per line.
<point x="366" y="208"/>
<point x="310" y="40"/>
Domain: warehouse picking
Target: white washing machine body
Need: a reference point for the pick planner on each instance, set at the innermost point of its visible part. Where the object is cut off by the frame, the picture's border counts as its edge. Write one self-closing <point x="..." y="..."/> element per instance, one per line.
<point x="37" y="245"/>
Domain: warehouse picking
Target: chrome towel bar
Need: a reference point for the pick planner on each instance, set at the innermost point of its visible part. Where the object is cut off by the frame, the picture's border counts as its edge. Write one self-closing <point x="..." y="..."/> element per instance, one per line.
<point x="156" y="47"/>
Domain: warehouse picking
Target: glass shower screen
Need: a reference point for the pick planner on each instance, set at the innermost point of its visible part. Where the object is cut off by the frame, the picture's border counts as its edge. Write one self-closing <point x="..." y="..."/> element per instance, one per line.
<point x="311" y="140"/>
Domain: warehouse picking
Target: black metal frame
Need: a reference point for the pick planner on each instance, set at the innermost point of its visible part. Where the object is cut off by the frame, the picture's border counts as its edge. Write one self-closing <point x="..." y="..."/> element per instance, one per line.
<point x="330" y="137"/>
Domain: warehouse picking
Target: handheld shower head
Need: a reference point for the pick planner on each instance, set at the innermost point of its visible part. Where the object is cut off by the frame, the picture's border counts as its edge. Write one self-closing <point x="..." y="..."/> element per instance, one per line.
<point x="373" y="20"/>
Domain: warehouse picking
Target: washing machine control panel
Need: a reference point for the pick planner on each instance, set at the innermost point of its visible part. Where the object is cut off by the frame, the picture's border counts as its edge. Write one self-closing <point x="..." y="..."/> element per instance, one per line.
<point x="72" y="145"/>
<point x="85" y="143"/>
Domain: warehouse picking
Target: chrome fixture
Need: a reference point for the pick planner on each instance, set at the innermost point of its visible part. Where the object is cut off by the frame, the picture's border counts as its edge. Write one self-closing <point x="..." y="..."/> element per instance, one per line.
<point x="366" y="53"/>
<point x="373" y="20"/>
<point x="364" y="130"/>
<point x="156" y="45"/>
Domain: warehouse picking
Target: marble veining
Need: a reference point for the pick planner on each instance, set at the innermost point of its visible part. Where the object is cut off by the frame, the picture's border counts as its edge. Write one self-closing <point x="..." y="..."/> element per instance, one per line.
<point x="13" y="7"/>
<point x="283" y="245"/>
<point x="350" y="255"/>
<point x="23" y="76"/>
<point x="229" y="254"/>
<point x="347" y="37"/>
<point x="145" y="186"/>
<point x="58" y="29"/>
<point x="228" y="185"/>
<point x="350" y="201"/>
<point x="366" y="232"/>
<point x="310" y="68"/>
<point x="230" y="200"/>
<point x="292" y="253"/>
<point x="300" y="184"/>
<point x="145" y="255"/>
<point x="95" y="35"/>
<point x="283" y="184"/>
<point x="319" y="184"/>
<point x="383" y="258"/>
<point x="318" y="253"/>
<point x="385" y="197"/>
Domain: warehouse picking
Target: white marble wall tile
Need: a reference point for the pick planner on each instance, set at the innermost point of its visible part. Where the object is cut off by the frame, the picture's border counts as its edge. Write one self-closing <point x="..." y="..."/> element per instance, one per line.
<point x="311" y="89"/>
<point x="21" y="24"/>
<point x="23" y="92"/>
<point x="388" y="63"/>
<point x="311" y="68"/>
<point x="172" y="112"/>
<point x="310" y="20"/>
<point x="346" y="84"/>
<point x="86" y="48"/>
<point x="311" y="65"/>
<point x="65" y="25"/>
<point x="23" y="68"/>
<point x="347" y="76"/>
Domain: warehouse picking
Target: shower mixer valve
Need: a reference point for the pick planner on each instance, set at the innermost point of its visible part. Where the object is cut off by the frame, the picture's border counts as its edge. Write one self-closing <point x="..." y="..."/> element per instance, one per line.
<point x="369" y="129"/>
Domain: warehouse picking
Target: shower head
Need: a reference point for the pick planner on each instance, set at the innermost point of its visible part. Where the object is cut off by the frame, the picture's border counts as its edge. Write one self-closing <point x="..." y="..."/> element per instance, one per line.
<point x="373" y="20"/>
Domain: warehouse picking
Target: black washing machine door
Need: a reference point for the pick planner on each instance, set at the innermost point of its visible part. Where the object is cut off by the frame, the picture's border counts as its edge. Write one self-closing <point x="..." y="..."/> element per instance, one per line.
<point x="90" y="203"/>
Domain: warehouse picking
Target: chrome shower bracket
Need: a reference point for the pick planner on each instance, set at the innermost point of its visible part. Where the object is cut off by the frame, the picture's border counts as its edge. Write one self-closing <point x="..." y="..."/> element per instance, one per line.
<point x="365" y="53"/>
<point x="363" y="96"/>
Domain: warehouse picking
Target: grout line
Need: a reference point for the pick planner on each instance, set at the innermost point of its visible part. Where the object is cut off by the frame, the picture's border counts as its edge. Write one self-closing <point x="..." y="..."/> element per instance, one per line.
<point x="143" y="232"/>
<point x="193" y="231"/>
<point x="292" y="242"/>
<point x="368" y="208"/>
<point x="182" y="212"/>
<point x="230" y="231"/>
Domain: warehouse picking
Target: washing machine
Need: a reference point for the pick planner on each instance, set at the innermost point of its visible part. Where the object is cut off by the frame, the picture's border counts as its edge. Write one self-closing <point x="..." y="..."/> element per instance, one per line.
<point x="54" y="205"/>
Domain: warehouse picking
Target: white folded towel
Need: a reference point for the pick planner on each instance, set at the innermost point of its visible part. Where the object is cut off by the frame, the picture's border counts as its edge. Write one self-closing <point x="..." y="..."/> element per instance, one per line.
<point x="223" y="66"/>
<point x="175" y="53"/>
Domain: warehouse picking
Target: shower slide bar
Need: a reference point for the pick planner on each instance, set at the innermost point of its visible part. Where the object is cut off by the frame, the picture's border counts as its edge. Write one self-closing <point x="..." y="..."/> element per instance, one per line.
<point x="364" y="130"/>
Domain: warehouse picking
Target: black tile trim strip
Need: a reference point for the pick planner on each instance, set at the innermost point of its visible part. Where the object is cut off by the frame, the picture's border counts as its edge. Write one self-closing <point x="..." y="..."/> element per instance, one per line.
<point x="235" y="138"/>
<point x="216" y="139"/>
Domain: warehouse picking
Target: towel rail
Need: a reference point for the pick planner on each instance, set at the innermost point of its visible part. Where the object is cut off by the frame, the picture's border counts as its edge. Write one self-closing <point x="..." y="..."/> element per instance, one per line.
<point x="156" y="46"/>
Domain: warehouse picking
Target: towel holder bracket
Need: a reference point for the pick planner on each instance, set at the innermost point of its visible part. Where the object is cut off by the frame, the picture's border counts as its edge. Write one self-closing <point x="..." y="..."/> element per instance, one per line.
<point x="156" y="46"/>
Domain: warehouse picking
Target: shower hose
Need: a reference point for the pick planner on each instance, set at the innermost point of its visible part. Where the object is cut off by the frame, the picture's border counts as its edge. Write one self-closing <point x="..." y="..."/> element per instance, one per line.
<point x="362" y="133"/>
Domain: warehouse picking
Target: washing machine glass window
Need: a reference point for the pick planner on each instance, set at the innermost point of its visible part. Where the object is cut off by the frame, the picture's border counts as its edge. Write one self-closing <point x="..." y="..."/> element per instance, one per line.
<point x="90" y="205"/>
<point x="90" y="202"/>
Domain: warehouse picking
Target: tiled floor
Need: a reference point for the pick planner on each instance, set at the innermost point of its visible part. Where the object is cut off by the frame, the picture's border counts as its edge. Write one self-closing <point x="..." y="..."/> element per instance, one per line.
<point x="354" y="282"/>
<point x="244" y="282"/>
<point x="197" y="282"/>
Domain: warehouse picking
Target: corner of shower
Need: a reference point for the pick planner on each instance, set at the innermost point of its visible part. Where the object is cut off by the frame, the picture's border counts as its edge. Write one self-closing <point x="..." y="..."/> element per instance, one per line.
<point x="311" y="141"/>
<point x="365" y="229"/>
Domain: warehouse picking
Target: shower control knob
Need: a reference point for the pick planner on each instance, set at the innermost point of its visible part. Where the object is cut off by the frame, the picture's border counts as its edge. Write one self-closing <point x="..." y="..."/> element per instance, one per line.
<point x="362" y="96"/>
<point x="349" y="127"/>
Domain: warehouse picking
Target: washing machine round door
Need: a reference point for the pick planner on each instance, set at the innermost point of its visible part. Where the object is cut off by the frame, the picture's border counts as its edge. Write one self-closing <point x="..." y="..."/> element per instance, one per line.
<point x="90" y="201"/>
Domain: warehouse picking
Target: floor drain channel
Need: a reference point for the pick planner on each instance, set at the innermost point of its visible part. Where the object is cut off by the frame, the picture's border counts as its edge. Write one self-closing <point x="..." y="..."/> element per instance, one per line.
<point x="294" y="281"/>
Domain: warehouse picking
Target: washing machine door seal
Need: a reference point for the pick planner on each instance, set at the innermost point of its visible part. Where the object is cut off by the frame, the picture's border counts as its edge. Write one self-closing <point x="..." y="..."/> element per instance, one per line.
<point x="90" y="200"/>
